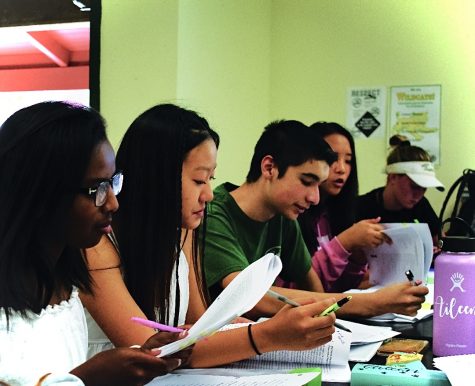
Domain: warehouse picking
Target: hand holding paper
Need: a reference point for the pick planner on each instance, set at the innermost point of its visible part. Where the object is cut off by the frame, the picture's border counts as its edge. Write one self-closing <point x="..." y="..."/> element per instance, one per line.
<point x="241" y="295"/>
<point x="411" y="250"/>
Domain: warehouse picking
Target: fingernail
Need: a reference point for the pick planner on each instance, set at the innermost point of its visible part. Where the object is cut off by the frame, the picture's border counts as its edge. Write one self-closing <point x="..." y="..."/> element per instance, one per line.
<point x="156" y="351"/>
<point x="183" y="334"/>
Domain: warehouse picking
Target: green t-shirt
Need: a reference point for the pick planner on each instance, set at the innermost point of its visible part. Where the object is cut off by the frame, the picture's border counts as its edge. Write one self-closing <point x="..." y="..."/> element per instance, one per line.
<point x="233" y="241"/>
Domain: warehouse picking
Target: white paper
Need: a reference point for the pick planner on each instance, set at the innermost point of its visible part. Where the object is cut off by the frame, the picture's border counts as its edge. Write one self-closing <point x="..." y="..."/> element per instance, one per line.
<point x="411" y="249"/>
<point x="366" y="339"/>
<point x="330" y="373"/>
<point x="399" y="318"/>
<point x="242" y="294"/>
<point x="458" y="368"/>
<point x="220" y="380"/>
<point x="332" y="353"/>
<point x="363" y="352"/>
<point x="332" y="358"/>
<point x="363" y="334"/>
<point x="242" y="372"/>
<point x="335" y="352"/>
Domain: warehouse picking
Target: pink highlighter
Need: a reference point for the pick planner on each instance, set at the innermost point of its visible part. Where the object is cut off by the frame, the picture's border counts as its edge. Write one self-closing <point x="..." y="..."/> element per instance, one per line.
<point x="155" y="325"/>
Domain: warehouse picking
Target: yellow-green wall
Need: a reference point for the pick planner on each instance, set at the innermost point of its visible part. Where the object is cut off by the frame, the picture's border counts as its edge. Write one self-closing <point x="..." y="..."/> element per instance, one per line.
<point x="138" y="59"/>
<point x="223" y="73"/>
<point x="243" y="63"/>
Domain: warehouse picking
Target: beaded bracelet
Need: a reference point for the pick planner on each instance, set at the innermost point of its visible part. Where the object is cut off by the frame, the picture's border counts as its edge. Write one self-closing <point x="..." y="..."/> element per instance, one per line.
<point x="251" y="339"/>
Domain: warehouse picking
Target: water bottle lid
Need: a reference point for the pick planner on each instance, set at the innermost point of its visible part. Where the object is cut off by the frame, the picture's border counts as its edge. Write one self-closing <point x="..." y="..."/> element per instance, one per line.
<point x="458" y="244"/>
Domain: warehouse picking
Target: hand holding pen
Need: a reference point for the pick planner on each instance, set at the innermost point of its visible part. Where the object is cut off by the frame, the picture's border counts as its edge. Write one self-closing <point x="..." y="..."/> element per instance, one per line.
<point x="161" y="339"/>
<point x="333" y="308"/>
<point x="410" y="277"/>
<point x="399" y="298"/>
<point x="296" y="328"/>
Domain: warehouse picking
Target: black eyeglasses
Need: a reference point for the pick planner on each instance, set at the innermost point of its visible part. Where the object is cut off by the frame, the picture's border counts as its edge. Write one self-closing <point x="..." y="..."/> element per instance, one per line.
<point x="99" y="193"/>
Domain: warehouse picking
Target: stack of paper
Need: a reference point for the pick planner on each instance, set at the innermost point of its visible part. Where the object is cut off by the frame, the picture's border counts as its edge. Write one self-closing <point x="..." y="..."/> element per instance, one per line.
<point x="411" y="249"/>
<point x="332" y="358"/>
<point x="366" y="339"/>
<point x="254" y="281"/>
<point x="358" y="346"/>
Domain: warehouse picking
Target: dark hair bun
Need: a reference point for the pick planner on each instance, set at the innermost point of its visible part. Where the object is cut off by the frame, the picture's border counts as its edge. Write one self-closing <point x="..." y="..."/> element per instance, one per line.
<point x="399" y="140"/>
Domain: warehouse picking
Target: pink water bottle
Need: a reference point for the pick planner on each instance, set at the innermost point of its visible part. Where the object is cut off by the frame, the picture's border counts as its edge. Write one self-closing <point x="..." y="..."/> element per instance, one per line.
<point x="454" y="298"/>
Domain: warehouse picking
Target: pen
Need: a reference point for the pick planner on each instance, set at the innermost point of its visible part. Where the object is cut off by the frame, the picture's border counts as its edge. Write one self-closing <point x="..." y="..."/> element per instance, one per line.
<point x="291" y="302"/>
<point x="341" y="327"/>
<point x="410" y="276"/>
<point x="282" y="298"/>
<point x="158" y="326"/>
<point x="335" y="306"/>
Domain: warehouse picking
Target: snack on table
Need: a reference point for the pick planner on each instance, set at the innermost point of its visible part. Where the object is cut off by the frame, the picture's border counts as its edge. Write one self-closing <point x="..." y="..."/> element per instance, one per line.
<point x="398" y="358"/>
<point x="402" y="345"/>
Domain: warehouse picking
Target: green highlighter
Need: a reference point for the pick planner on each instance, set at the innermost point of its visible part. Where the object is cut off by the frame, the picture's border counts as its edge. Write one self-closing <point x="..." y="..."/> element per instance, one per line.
<point x="317" y="381"/>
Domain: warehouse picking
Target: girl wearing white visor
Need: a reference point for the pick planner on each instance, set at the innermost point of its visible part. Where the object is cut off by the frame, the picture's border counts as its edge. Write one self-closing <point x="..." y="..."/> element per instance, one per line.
<point x="410" y="172"/>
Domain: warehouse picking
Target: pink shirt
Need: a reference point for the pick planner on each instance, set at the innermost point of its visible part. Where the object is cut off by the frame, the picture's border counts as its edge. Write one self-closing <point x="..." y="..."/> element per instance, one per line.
<point x="331" y="263"/>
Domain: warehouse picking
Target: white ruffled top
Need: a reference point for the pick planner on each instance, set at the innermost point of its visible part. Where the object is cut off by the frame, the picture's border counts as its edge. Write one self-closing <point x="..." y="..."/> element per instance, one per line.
<point x="54" y="341"/>
<point x="98" y="340"/>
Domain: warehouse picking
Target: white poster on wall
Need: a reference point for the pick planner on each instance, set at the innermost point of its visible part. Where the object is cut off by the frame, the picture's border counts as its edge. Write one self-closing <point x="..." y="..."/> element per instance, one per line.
<point x="366" y="112"/>
<point x="415" y="114"/>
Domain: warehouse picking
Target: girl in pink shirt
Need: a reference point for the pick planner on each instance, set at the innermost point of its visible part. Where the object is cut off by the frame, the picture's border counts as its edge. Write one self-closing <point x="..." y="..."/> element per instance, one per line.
<point x="329" y="228"/>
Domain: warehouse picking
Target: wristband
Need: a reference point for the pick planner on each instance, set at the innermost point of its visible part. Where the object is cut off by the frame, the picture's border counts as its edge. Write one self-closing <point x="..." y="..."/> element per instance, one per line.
<point x="251" y="339"/>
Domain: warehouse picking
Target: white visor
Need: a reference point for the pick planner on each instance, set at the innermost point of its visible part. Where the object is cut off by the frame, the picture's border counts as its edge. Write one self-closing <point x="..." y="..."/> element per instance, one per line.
<point x="421" y="172"/>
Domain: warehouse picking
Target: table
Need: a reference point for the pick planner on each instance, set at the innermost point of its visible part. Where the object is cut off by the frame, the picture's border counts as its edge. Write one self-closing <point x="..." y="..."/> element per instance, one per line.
<point x="419" y="330"/>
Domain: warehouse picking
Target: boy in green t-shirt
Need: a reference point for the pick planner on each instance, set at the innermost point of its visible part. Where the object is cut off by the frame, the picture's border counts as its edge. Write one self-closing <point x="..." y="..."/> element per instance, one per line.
<point x="290" y="161"/>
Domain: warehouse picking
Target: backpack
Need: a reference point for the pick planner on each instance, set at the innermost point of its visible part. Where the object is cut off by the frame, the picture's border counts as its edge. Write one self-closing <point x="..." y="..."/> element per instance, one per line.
<point x="462" y="219"/>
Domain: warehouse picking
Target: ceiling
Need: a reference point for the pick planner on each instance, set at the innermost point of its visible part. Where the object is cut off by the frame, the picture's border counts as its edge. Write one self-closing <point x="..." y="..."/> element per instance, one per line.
<point x="43" y="33"/>
<point x="50" y="45"/>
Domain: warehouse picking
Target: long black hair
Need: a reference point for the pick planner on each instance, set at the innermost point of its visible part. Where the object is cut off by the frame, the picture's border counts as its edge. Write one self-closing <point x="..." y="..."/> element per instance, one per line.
<point x="45" y="150"/>
<point x="341" y="208"/>
<point x="148" y="224"/>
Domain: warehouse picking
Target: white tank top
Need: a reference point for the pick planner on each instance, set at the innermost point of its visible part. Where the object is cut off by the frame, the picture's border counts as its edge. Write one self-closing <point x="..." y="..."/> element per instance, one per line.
<point x="98" y="341"/>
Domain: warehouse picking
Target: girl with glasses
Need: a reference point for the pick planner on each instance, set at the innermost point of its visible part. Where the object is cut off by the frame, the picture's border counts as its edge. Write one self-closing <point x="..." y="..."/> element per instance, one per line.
<point x="168" y="157"/>
<point x="57" y="169"/>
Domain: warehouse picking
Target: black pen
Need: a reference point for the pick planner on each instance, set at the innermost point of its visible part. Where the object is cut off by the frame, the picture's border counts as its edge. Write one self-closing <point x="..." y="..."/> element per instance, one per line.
<point x="293" y="303"/>
<point x="410" y="277"/>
